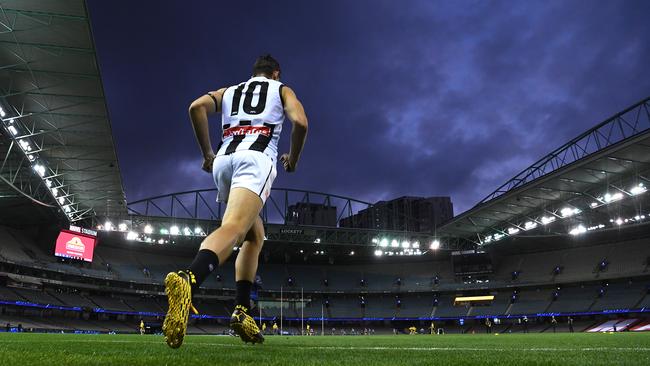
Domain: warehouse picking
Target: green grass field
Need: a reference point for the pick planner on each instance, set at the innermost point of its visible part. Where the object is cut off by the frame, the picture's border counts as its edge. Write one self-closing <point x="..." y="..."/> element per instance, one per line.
<point x="505" y="349"/>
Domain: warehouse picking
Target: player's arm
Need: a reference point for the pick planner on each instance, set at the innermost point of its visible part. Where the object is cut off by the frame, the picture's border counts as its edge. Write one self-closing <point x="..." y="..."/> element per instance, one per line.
<point x="296" y="114"/>
<point x="199" y="111"/>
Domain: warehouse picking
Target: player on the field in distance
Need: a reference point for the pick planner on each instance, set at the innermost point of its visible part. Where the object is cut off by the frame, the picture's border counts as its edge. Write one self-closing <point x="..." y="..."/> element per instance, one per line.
<point x="243" y="168"/>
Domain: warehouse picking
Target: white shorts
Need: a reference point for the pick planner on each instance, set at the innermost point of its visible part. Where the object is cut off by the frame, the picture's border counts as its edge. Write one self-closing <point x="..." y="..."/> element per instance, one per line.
<point x="248" y="169"/>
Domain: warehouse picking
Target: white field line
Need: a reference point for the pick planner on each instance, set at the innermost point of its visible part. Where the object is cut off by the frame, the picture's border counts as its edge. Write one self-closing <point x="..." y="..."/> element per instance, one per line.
<point x="377" y="348"/>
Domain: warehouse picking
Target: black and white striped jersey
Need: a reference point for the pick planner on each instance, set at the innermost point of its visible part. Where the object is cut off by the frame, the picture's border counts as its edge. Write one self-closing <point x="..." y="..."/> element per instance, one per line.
<point x="251" y="117"/>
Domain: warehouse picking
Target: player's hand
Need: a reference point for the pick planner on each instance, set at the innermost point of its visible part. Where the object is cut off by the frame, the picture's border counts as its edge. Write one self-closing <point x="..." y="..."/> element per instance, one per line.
<point x="207" y="162"/>
<point x="286" y="163"/>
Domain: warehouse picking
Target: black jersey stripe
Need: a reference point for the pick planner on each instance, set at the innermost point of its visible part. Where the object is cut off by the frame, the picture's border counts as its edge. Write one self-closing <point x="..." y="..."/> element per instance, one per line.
<point x="262" y="141"/>
<point x="232" y="146"/>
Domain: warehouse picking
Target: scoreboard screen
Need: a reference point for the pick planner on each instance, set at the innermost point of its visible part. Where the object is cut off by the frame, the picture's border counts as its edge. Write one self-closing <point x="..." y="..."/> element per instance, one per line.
<point x="75" y="245"/>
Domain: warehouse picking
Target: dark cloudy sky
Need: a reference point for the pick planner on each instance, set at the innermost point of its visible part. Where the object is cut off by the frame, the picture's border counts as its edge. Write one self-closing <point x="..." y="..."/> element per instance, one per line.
<point x="403" y="97"/>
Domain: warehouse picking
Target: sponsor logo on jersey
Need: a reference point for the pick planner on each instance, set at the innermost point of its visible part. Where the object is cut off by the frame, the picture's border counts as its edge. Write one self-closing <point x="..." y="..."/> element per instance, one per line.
<point x="247" y="130"/>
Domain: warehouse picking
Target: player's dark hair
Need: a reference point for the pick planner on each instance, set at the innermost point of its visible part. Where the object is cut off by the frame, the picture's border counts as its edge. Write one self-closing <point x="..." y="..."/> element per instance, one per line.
<point x="265" y="65"/>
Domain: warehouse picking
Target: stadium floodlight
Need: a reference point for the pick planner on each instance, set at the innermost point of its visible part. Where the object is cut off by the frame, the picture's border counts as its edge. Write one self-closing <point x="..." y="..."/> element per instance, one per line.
<point x="67" y="208"/>
<point x="61" y="200"/>
<point x="488" y="239"/>
<point x="48" y="183"/>
<point x="317" y="241"/>
<point x="638" y="189"/>
<point x="352" y="252"/>
<point x="612" y="197"/>
<point x="529" y="225"/>
<point x="160" y="241"/>
<point x="434" y="245"/>
<point x="187" y="231"/>
<point x="55" y="191"/>
<point x="406" y="244"/>
<point x="2" y="112"/>
<point x="164" y="231"/>
<point x="383" y="243"/>
<point x="375" y="240"/>
<point x="578" y="230"/>
<point x="416" y="245"/>
<point x="394" y="244"/>
<point x="13" y="130"/>
<point x="513" y="230"/>
<point x="108" y="226"/>
<point x="122" y="226"/>
<point x="174" y="230"/>
<point x="547" y="220"/>
<point x="568" y="211"/>
<point x="24" y="144"/>
<point x="594" y="204"/>
<point x="148" y="229"/>
<point x="619" y="221"/>
<point x="198" y="231"/>
<point x="40" y="169"/>
<point x="378" y="253"/>
<point x="131" y="235"/>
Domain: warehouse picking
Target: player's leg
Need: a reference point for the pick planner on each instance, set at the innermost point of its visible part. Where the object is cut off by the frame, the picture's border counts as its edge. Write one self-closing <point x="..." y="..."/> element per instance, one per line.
<point x="247" y="261"/>
<point x="245" y="268"/>
<point x="242" y="209"/>
<point x="241" y="213"/>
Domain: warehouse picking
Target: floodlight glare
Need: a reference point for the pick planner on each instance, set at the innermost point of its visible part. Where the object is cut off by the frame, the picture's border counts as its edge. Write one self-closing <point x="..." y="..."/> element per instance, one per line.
<point x="513" y="230"/>
<point x="378" y="253"/>
<point x="375" y="240"/>
<point x="148" y="229"/>
<point x="638" y="189"/>
<point x="394" y="244"/>
<point x="547" y="220"/>
<point x="198" y="230"/>
<point x="187" y="231"/>
<point x="122" y="226"/>
<point x="174" y="230"/>
<point x="530" y="225"/>
<point x="66" y="208"/>
<point x="568" y="211"/>
<point x="578" y="230"/>
<point x="13" y="130"/>
<point x="416" y="244"/>
<point x="2" y="112"/>
<point x="131" y="236"/>
<point x="38" y="168"/>
<point x="352" y="252"/>
<point x="434" y="245"/>
<point x="108" y="226"/>
<point x="383" y="243"/>
<point x="24" y="144"/>
<point x="61" y="200"/>
<point x="406" y="244"/>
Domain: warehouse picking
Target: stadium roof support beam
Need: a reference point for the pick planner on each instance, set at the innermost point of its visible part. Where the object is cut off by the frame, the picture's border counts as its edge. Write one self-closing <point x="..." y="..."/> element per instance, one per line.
<point x="597" y="138"/>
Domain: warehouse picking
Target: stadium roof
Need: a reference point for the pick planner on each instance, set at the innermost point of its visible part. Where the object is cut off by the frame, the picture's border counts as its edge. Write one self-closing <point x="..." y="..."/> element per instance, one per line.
<point x="593" y="182"/>
<point x="57" y="135"/>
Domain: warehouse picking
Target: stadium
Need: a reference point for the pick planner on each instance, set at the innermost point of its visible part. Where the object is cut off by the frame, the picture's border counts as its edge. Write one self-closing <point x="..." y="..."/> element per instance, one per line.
<point x="553" y="266"/>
